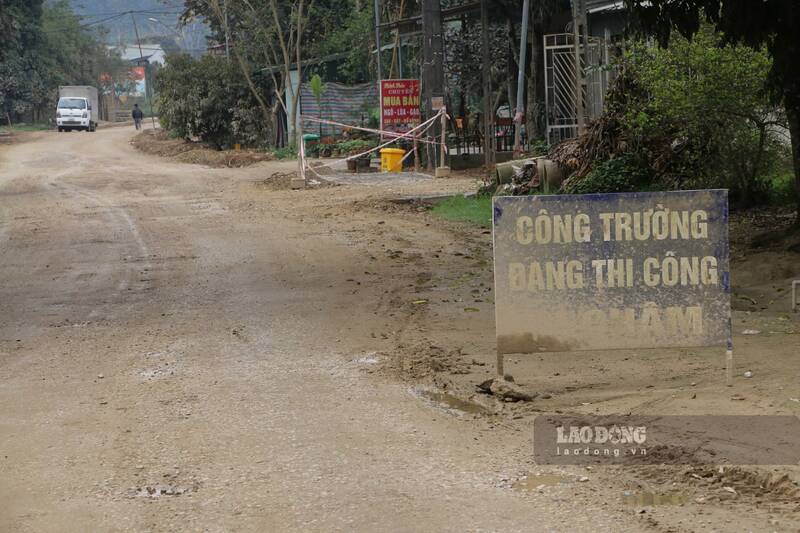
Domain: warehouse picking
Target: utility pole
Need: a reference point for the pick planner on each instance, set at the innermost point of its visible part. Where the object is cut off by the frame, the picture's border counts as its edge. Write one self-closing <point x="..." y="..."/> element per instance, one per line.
<point x="227" y="32"/>
<point x="523" y="52"/>
<point x="141" y="63"/>
<point x="577" y="9"/>
<point x="400" y="55"/>
<point x="488" y="112"/>
<point x="432" y="67"/>
<point x="378" y="38"/>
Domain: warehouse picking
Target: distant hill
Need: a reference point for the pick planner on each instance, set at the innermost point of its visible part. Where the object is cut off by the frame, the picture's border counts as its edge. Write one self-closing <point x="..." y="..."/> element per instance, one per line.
<point x="113" y="15"/>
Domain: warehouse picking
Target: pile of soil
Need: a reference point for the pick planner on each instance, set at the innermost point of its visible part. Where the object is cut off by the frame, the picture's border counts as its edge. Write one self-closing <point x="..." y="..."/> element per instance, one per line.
<point x="279" y="181"/>
<point x="158" y="143"/>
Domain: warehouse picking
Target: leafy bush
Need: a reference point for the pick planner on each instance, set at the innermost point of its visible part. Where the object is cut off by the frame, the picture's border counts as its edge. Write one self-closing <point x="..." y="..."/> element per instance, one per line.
<point x="622" y="174"/>
<point x="353" y="146"/>
<point x="286" y="152"/>
<point x="374" y="121"/>
<point x="209" y="99"/>
<point x="697" y="114"/>
<point x="539" y="147"/>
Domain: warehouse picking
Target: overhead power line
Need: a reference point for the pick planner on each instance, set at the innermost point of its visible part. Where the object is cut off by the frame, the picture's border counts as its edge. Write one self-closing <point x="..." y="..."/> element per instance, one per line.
<point x="112" y="17"/>
<point x="85" y="25"/>
<point x="135" y="12"/>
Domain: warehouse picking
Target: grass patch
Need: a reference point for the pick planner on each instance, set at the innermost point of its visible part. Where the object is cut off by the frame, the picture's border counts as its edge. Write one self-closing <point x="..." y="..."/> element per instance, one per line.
<point x="475" y="209"/>
<point x="286" y="152"/>
<point x="25" y="127"/>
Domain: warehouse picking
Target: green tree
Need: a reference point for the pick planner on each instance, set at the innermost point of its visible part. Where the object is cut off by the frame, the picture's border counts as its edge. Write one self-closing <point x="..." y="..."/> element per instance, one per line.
<point x="209" y="99"/>
<point x="706" y="99"/>
<point x="20" y="36"/>
<point x="272" y="32"/>
<point x="770" y="23"/>
<point x="44" y="47"/>
<point x="317" y="89"/>
<point x="344" y="27"/>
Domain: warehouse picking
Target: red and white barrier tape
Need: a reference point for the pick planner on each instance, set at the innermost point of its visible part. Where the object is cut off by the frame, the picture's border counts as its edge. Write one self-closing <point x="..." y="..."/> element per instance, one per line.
<point x="426" y="125"/>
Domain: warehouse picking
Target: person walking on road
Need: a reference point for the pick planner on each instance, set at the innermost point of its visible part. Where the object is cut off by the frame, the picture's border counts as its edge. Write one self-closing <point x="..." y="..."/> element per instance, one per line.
<point x="137" y="116"/>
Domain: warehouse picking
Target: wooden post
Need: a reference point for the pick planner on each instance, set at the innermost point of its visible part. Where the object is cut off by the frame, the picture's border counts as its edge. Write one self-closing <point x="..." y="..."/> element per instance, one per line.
<point x="416" y="153"/>
<point x="299" y="181"/>
<point x="488" y="112"/>
<point x="442" y="171"/>
<point x="432" y="65"/>
<point x="443" y="162"/>
<point x="378" y="39"/>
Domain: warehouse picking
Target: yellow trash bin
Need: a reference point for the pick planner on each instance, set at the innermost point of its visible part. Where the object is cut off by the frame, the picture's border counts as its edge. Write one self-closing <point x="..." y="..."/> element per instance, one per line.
<point x="392" y="159"/>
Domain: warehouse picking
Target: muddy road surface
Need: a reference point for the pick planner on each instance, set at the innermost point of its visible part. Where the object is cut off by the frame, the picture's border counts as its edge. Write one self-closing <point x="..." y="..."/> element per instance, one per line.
<point x="172" y="361"/>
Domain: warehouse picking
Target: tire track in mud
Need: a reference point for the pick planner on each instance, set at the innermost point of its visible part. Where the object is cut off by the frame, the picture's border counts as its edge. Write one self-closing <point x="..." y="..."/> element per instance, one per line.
<point x="3" y="231"/>
<point x="124" y="219"/>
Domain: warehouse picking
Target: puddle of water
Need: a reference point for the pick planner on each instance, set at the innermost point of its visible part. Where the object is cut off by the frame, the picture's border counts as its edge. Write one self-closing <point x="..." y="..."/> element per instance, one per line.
<point x="535" y="482"/>
<point x="452" y="402"/>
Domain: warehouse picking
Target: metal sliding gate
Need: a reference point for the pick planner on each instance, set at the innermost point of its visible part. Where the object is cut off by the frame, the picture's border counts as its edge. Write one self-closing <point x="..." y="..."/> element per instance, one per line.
<point x="561" y="103"/>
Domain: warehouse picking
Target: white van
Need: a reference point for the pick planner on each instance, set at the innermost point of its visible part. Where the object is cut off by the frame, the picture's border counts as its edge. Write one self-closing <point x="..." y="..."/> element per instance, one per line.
<point x="77" y="108"/>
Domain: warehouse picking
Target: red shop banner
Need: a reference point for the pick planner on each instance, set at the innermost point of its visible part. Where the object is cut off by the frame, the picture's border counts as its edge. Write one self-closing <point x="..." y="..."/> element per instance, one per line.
<point x="399" y="104"/>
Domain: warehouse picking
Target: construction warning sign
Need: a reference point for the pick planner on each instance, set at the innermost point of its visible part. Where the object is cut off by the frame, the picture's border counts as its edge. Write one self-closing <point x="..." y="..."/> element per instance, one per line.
<point x="399" y="104"/>
<point x="605" y="271"/>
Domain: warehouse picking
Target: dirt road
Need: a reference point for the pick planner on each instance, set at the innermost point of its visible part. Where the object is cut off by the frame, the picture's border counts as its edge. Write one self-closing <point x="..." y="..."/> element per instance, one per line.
<point x="186" y="349"/>
<point x="171" y="360"/>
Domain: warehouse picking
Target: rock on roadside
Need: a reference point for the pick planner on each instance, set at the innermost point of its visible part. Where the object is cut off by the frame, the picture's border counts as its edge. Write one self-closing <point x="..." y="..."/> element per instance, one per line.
<point x="508" y="390"/>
